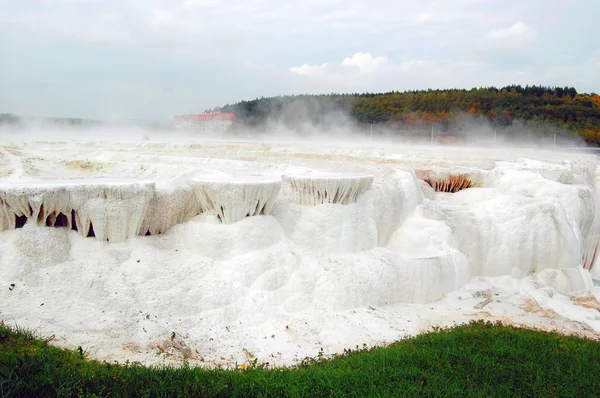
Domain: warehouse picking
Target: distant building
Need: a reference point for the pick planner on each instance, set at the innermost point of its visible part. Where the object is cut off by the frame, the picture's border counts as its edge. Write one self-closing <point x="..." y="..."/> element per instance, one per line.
<point x="216" y="121"/>
<point x="223" y="121"/>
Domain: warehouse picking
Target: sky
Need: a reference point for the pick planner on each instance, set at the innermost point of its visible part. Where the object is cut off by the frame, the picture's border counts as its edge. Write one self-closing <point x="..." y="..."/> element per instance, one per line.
<point x="151" y="59"/>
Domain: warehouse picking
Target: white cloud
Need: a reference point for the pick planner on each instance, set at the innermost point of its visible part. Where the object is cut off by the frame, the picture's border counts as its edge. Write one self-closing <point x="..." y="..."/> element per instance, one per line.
<point x="365" y="62"/>
<point x="364" y="72"/>
<point x="410" y="44"/>
<point x="519" y="32"/>
<point x="360" y="64"/>
<point x="310" y="69"/>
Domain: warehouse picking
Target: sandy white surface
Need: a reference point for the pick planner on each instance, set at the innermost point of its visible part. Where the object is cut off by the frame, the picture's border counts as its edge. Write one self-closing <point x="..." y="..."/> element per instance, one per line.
<point x="272" y="276"/>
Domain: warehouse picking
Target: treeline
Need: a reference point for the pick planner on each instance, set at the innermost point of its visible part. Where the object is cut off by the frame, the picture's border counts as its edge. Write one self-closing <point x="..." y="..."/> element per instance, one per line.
<point x="8" y="119"/>
<point x="531" y="110"/>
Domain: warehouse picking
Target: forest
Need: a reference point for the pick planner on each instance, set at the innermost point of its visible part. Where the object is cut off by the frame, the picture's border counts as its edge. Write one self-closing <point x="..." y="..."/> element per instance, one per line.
<point x="514" y="110"/>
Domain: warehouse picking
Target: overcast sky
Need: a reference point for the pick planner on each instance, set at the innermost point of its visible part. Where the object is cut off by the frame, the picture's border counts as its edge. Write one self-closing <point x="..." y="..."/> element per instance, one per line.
<point x="150" y="59"/>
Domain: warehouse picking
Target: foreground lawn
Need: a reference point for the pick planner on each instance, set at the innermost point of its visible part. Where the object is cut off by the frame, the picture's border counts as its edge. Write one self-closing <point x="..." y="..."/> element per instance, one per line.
<point x="478" y="359"/>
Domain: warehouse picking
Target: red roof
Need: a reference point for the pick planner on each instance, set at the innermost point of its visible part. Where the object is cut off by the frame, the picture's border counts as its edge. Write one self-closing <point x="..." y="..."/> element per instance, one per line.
<point x="224" y="116"/>
<point x="203" y="116"/>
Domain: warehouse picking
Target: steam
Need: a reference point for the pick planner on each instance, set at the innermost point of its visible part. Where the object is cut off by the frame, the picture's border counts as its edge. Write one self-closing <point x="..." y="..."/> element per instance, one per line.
<point x="304" y="119"/>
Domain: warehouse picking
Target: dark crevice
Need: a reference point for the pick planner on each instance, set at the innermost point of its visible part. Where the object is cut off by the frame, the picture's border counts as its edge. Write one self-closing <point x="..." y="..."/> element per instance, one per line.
<point x="61" y="221"/>
<point x="20" y="221"/>
<point x="73" y="221"/>
<point x="41" y="214"/>
<point x="91" y="233"/>
<point x="148" y="233"/>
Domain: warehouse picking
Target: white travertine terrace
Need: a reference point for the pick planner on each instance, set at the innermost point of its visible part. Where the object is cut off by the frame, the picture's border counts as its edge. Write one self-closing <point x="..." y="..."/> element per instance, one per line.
<point x="169" y="205"/>
<point x="232" y="199"/>
<point x="591" y="243"/>
<point x="355" y="233"/>
<point x="118" y="210"/>
<point x="319" y="188"/>
<point x="109" y="210"/>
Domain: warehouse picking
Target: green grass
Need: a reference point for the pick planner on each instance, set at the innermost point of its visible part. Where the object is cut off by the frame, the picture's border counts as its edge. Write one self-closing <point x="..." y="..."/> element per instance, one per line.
<point x="478" y="359"/>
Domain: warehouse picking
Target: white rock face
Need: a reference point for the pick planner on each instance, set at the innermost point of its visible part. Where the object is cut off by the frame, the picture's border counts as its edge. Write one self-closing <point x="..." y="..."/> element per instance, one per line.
<point x="115" y="211"/>
<point x="207" y="236"/>
<point x="318" y="188"/>
<point x="234" y="263"/>
<point x="424" y="249"/>
<point x="110" y="211"/>
<point x="519" y="224"/>
<point x="232" y="200"/>
<point x="591" y="245"/>
<point x="169" y="205"/>
<point x="573" y="280"/>
<point x="31" y="255"/>
<point x="363" y="223"/>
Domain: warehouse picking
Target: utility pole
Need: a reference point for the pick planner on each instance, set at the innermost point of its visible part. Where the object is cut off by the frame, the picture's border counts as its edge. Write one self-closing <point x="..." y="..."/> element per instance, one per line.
<point x="494" y="137"/>
<point x="554" y="146"/>
<point x="371" y="134"/>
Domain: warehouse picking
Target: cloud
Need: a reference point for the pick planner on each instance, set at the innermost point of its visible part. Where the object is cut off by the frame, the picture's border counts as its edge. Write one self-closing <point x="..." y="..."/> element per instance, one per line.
<point x="307" y="69"/>
<point x="365" y="72"/>
<point x="365" y="62"/>
<point x="518" y="33"/>
<point x="360" y="64"/>
<point x="270" y="47"/>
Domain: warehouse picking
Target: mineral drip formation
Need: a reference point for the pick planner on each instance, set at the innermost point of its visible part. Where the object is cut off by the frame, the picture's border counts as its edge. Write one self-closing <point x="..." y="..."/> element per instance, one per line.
<point x="309" y="190"/>
<point x="169" y="206"/>
<point x="450" y="184"/>
<point x="230" y="201"/>
<point x="591" y="243"/>
<point x="109" y="212"/>
<point x="452" y="181"/>
<point x="116" y="211"/>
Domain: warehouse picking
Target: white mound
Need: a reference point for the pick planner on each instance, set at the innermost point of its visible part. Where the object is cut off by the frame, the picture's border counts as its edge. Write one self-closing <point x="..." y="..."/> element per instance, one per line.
<point x="197" y="240"/>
